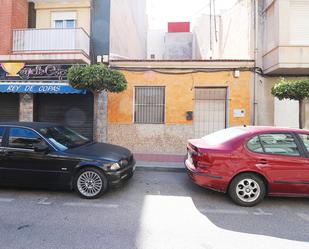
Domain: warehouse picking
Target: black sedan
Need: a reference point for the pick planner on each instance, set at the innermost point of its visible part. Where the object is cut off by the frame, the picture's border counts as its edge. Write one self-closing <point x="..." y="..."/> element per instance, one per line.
<point x="46" y="154"/>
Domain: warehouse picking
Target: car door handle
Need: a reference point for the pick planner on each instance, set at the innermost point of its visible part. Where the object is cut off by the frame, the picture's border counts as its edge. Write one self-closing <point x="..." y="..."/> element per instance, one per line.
<point x="262" y="161"/>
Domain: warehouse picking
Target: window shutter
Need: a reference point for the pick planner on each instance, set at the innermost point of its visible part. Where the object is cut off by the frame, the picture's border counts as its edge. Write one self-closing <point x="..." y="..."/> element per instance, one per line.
<point x="299" y="22"/>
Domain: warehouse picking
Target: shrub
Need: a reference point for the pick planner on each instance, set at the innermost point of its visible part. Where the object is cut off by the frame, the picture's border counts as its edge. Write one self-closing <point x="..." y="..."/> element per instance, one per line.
<point x="97" y="78"/>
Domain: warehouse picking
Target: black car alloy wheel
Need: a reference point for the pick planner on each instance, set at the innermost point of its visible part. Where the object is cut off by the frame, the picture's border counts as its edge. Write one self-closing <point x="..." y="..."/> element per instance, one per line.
<point x="90" y="183"/>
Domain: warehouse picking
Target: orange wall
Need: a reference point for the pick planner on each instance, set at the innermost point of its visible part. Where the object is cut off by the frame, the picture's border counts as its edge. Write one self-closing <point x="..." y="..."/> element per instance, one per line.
<point x="179" y="90"/>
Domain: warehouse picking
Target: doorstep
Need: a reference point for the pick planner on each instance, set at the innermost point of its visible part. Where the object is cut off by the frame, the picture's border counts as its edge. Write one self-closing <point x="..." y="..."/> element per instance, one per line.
<point x="160" y="162"/>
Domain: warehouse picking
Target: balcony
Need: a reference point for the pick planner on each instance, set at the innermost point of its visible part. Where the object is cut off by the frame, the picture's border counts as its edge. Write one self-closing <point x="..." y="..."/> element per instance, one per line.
<point x="62" y="45"/>
<point x="286" y="38"/>
<point x="287" y="60"/>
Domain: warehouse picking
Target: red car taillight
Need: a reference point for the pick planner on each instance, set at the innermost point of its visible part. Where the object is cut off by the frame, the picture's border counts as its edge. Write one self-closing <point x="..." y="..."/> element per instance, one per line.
<point x="202" y="160"/>
<point x="198" y="157"/>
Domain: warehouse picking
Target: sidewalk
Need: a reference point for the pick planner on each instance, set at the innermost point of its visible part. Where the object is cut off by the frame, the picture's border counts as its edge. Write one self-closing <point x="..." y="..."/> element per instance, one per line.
<point x="160" y="162"/>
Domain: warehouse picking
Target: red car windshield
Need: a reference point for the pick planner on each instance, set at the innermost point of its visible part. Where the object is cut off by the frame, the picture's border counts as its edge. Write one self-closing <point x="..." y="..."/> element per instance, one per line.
<point x="222" y="136"/>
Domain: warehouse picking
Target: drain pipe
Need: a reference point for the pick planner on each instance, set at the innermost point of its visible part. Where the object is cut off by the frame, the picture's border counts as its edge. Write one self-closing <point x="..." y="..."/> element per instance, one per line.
<point x="255" y="59"/>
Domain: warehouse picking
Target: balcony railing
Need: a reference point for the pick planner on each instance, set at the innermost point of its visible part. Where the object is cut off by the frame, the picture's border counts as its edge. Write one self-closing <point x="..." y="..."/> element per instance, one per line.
<point x="50" y="40"/>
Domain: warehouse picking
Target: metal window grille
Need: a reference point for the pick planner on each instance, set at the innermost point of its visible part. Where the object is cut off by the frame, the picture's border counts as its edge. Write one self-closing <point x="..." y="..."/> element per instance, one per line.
<point x="149" y="105"/>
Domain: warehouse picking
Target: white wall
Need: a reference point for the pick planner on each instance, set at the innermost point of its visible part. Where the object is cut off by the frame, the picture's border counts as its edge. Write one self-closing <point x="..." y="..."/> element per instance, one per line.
<point x="178" y="46"/>
<point x="170" y="46"/>
<point x="128" y="29"/>
<point x="202" y="35"/>
<point x="236" y="38"/>
<point x="286" y="113"/>
<point x="155" y="44"/>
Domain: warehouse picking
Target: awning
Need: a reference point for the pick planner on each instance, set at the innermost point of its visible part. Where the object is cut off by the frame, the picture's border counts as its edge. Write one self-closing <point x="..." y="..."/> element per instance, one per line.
<point x="38" y="87"/>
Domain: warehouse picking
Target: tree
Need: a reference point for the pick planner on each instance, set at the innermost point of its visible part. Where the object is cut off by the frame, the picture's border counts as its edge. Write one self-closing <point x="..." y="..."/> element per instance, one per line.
<point x="293" y="90"/>
<point x="97" y="78"/>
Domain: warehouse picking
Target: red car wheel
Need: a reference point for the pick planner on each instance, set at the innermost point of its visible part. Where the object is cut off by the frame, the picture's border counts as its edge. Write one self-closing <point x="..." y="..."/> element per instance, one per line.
<point x="247" y="190"/>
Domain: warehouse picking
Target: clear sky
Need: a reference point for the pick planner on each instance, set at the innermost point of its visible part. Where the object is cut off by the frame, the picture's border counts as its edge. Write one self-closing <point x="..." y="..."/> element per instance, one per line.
<point x="162" y="11"/>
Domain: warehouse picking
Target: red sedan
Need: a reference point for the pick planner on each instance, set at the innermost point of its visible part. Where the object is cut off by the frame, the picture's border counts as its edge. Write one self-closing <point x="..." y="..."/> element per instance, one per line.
<point x="251" y="162"/>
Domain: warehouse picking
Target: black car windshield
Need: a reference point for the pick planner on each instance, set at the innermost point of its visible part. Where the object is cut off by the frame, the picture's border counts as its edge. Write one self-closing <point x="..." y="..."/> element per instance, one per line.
<point x="63" y="138"/>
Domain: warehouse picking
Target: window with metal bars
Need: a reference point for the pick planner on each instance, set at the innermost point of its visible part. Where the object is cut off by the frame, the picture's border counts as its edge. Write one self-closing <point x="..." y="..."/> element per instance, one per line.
<point x="149" y="105"/>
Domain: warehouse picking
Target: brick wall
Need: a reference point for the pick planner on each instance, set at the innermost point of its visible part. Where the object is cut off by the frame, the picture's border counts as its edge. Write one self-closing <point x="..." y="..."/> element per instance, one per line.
<point x="5" y="27"/>
<point x="13" y="15"/>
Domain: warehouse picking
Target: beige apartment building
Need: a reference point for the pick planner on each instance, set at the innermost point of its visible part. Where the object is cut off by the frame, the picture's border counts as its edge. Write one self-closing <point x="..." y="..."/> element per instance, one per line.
<point x="44" y="39"/>
<point x="284" y="30"/>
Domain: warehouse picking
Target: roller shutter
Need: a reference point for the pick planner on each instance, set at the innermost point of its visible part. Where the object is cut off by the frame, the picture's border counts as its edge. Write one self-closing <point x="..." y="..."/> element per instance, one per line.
<point x="75" y="111"/>
<point x="9" y="107"/>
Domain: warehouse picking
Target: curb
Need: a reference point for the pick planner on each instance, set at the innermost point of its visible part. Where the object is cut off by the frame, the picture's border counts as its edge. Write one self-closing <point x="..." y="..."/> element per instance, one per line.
<point x="159" y="168"/>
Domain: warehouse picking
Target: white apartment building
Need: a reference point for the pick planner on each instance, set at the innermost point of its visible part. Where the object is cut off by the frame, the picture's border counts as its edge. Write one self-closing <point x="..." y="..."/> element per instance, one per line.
<point x="274" y="33"/>
<point x="283" y="31"/>
<point x="128" y="29"/>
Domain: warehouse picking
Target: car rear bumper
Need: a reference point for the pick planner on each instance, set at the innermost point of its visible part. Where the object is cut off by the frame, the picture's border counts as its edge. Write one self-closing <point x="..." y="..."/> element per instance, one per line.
<point x="205" y="179"/>
<point x="117" y="177"/>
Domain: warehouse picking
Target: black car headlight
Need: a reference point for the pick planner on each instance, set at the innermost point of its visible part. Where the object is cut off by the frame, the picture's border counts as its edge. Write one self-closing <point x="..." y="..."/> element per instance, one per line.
<point x="113" y="166"/>
<point x="123" y="163"/>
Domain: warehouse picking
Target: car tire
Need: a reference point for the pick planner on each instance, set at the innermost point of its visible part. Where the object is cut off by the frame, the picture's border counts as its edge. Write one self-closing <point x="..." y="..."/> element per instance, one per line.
<point x="247" y="190"/>
<point x="90" y="183"/>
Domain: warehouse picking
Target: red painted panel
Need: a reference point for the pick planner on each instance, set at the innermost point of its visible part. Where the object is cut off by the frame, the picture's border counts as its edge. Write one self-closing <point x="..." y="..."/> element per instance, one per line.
<point x="176" y="27"/>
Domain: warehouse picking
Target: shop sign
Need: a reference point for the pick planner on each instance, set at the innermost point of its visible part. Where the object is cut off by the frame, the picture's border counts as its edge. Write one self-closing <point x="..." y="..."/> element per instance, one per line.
<point x="34" y="72"/>
<point x="38" y="88"/>
<point x="44" y="72"/>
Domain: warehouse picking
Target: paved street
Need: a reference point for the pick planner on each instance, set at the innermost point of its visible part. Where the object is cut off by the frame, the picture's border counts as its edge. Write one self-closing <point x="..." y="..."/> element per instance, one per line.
<point x="153" y="210"/>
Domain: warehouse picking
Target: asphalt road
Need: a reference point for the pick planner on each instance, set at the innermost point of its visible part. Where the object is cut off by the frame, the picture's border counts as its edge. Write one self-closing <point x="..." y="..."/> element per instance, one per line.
<point x="153" y="210"/>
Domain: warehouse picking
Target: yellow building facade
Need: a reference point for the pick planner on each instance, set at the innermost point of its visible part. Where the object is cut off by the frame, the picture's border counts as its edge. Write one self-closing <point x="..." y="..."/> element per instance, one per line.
<point x="199" y="97"/>
<point x="78" y="10"/>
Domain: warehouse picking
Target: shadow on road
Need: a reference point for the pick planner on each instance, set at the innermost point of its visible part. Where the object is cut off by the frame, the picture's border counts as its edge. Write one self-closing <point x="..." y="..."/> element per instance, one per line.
<point x="286" y="218"/>
<point x="133" y="215"/>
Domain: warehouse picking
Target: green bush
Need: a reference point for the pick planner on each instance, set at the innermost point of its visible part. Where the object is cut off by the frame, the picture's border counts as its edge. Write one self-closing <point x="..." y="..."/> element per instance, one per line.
<point x="97" y="78"/>
<point x="291" y="89"/>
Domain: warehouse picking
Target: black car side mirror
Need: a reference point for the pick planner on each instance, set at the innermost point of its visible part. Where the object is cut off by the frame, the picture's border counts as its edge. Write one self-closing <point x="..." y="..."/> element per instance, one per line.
<point x="41" y="148"/>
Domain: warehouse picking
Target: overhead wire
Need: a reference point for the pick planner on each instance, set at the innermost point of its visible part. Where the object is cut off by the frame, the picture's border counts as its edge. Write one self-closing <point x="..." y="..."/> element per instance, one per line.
<point x="184" y="71"/>
<point x="215" y="20"/>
